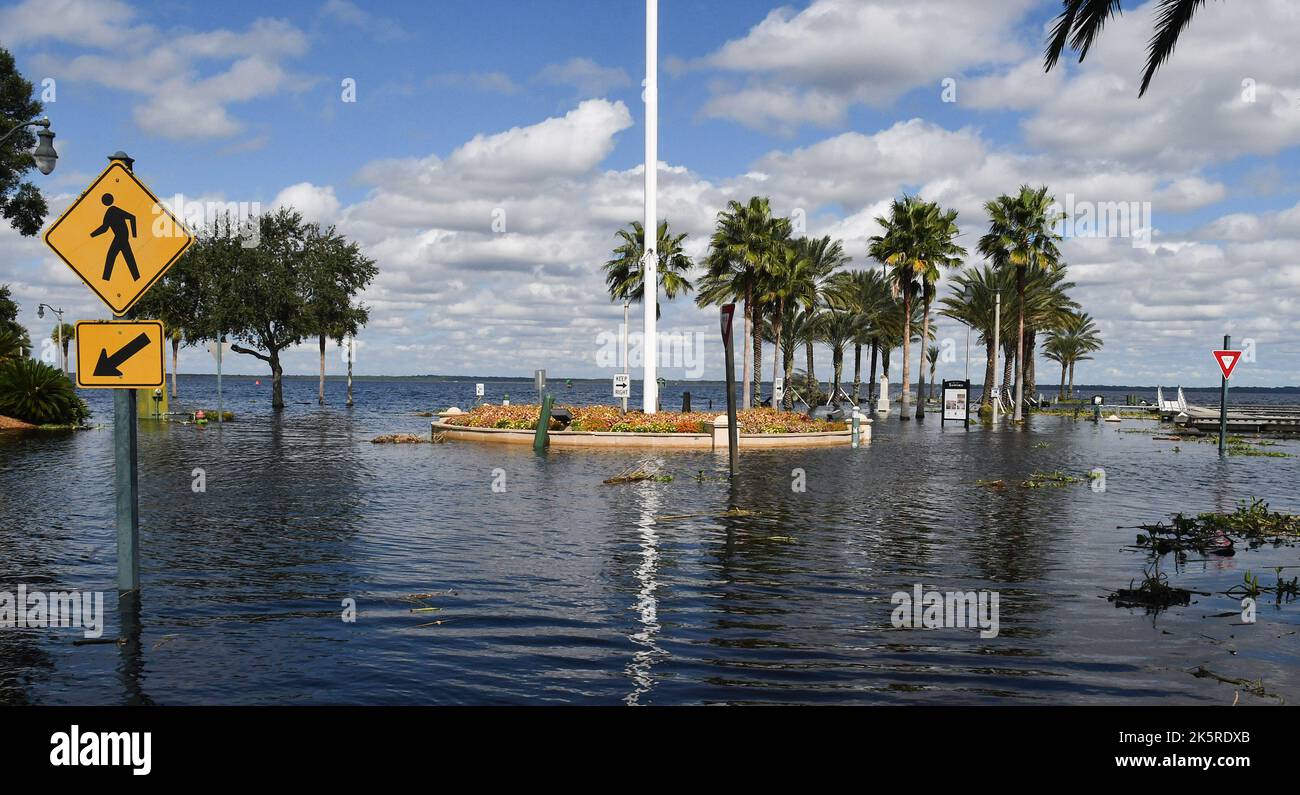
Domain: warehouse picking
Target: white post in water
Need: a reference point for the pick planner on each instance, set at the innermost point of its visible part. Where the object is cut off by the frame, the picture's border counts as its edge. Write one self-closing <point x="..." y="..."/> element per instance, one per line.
<point x="997" y="349"/>
<point x="650" y="226"/>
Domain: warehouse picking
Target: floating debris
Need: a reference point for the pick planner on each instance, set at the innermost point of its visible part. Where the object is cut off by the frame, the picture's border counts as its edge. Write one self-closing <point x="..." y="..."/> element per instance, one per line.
<point x="399" y="438"/>
<point x="1255" y="687"/>
<point x="731" y="513"/>
<point x="1217" y="533"/>
<point x="635" y="474"/>
<point x="1040" y="479"/>
<point x="1155" y="593"/>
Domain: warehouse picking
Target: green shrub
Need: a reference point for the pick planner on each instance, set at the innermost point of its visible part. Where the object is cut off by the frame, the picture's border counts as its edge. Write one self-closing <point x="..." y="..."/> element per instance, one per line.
<point x="35" y="392"/>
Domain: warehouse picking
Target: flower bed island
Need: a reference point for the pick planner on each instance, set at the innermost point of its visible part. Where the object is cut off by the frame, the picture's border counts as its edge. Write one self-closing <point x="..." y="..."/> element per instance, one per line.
<point x="605" y="426"/>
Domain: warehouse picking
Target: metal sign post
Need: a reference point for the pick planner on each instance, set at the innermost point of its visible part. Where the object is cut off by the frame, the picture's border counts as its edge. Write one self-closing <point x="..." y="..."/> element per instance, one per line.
<point x="733" y="437"/>
<point x="1227" y="359"/>
<point x="120" y="240"/>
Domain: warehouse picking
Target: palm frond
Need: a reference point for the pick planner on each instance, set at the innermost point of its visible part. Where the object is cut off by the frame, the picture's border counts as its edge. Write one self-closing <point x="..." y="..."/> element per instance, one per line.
<point x="1172" y="18"/>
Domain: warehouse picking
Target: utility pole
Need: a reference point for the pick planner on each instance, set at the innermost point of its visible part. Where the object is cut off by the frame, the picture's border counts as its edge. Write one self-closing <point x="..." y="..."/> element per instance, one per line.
<point x="650" y="225"/>
<point x="626" y="306"/>
<point x="997" y="349"/>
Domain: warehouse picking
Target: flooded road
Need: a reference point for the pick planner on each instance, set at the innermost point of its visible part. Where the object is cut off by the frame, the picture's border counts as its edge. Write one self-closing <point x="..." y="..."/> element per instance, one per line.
<point x="554" y="588"/>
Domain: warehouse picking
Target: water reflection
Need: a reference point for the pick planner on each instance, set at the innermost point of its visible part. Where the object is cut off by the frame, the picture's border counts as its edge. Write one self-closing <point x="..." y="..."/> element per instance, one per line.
<point x="647" y="602"/>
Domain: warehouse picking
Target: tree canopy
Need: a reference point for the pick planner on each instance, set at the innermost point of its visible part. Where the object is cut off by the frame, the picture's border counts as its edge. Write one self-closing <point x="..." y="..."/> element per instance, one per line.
<point x="21" y="204"/>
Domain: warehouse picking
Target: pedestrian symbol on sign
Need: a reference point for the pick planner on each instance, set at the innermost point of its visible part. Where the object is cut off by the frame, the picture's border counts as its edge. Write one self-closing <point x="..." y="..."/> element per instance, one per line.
<point x="117" y="220"/>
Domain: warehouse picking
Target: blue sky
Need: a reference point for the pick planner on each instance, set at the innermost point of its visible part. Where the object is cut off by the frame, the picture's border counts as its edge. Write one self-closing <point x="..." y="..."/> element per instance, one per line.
<point x="830" y="107"/>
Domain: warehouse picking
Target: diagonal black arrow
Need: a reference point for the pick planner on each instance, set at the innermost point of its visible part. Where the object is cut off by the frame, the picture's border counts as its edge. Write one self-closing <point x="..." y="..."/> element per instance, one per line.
<point x="107" y="365"/>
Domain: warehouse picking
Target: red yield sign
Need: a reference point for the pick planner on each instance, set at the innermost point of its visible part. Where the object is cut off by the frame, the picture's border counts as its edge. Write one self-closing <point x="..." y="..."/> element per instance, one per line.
<point x="1227" y="361"/>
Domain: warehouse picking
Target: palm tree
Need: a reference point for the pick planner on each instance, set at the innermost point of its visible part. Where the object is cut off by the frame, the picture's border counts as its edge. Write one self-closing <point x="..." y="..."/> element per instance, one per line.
<point x="918" y="239"/>
<point x="797" y="327"/>
<point x="824" y="256"/>
<point x="974" y="303"/>
<point x="1021" y="236"/>
<point x="744" y="246"/>
<point x="63" y="334"/>
<point x="1082" y="20"/>
<point x="623" y="273"/>
<point x="777" y="285"/>
<point x="336" y="270"/>
<point x="837" y="328"/>
<point x="1070" y="342"/>
<point x="866" y="293"/>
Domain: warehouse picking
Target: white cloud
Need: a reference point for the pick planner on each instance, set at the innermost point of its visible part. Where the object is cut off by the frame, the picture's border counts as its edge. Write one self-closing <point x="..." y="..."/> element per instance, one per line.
<point x="813" y="64"/>
<point x="589" y="78"/>
<point x="93" y="23"/>
<point x="1199" y="108"/>
<point x="316" y="203"/>
<point x="353" y="16"/>
<point x="182" y="95"/>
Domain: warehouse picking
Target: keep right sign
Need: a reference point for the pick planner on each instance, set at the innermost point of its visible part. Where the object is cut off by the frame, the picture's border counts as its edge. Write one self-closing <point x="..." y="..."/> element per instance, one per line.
<point x="1227" y="361"/>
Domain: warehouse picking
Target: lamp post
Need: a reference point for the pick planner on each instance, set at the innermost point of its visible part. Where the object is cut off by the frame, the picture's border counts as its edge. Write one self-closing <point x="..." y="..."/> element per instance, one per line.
<point x="44" y="154"/>
<point x="650" y="225"/>
<point x="58" y="330"/>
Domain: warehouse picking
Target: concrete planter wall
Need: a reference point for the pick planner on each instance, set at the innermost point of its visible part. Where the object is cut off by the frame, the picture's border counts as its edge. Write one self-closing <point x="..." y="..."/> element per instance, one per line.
<point x="686" y="441"/>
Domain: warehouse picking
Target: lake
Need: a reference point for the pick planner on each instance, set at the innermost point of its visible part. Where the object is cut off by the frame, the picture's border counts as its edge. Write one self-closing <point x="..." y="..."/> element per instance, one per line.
<point x="556" y="589"/>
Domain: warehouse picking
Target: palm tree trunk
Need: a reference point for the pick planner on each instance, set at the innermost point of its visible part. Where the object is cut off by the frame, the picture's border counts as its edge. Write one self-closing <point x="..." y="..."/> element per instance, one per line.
<point x="907" y="355"/>
<point x="990" y="372"/>
<point x="857" y="373"/>
<point x="787" y="400"/>
<point x="744" y="348"/>
<point x="757" y="333"/>
<point x="871" y="384"/>
<point x="837" y="362"/>
<point x="321" y="396"/>
<point x="920" y="369"/>
<point x="352" y="345"/>
<point x="1020" y="343"/>
<point x="812" y="386"/>
<point x="176" y="346"/>
<point x="1071" y="392"/>
<point x="776" y="348"/>
<point x="1060" y="394"/>
<point x="1008" y="365"/>
<point x="1031" y="361"/>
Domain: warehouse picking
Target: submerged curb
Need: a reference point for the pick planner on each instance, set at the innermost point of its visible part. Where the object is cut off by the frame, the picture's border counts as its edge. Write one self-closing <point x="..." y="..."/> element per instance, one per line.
<point x="620" y="439"/>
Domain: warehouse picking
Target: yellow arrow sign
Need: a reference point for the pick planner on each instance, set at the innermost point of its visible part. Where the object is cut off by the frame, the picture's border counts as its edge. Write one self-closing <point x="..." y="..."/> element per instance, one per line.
<point x="117" y="354"/>
<point x="118" y="238"/>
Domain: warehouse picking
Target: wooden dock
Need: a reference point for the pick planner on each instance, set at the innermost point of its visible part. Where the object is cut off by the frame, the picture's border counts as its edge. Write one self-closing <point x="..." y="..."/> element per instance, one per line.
<point x="1284" y="419"/>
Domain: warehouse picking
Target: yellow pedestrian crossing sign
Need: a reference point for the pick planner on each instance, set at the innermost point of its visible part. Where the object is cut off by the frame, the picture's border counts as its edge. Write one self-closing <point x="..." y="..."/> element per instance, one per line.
<point x="118" y="238"/>
<point x="117" y="354"/>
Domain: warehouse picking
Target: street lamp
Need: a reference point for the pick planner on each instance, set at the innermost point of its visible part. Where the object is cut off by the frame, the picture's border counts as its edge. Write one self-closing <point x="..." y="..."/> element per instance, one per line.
<point x="44" y="155"/>
<point x="40" y="313"/>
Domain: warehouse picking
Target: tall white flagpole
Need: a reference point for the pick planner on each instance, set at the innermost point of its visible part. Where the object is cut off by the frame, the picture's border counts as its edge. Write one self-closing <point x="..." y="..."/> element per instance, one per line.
<point x="650" y="224"/>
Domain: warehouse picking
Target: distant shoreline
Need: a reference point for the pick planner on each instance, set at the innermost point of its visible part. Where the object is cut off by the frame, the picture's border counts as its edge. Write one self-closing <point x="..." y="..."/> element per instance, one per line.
<point x="1046" y="389"/>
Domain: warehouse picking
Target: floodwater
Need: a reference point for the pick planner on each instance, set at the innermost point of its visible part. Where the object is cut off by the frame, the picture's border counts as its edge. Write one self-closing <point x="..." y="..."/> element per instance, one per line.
<point x="556" y="589"/>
